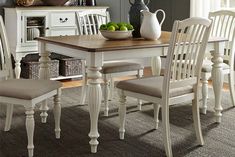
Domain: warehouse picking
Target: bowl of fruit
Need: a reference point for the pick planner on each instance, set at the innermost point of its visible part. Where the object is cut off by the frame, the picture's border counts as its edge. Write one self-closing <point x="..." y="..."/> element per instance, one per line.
<point x="116" y="31"/>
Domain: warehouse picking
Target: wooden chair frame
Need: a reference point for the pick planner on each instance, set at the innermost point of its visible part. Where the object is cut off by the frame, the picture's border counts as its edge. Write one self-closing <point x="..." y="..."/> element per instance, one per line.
<point x="223" y="26"/>
<point x="6" y="72"/>
<point x="187" y="43"/>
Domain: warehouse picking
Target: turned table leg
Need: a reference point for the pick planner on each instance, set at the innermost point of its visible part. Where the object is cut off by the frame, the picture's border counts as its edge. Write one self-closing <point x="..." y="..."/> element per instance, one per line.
<point x="44" y="73"/>
<point x="218" y="78"/>
<point x="156" y="65"/>
<point x="94" y="102"/>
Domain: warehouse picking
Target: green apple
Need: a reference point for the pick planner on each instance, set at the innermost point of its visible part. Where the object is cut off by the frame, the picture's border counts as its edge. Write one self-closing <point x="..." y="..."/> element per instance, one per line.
<point x="103" y="27"/>
<point x="123" y="28"/>
<point x="111" y="28"/>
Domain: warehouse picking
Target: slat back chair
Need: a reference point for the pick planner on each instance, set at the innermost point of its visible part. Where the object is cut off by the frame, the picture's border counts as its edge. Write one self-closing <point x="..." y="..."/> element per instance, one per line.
<point x="180" y="82"/>
<point x="88" y="24"/>
<point x="89" y="21"/>
<point x="24" y="92"/>
<point x="6" y="71"/>
<point x="223" y="26"/>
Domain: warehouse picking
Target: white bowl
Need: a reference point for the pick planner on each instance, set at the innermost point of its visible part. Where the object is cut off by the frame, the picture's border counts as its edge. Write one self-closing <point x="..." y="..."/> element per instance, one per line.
<point x="116" y="34"/>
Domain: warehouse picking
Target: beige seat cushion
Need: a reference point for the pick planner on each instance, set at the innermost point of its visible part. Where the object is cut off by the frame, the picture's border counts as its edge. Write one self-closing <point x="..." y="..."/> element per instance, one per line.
<point x="117" y="67"/>
<point x="151" y="86"/>
<point x="207" y="66"/>
<point x="26" y="88"/>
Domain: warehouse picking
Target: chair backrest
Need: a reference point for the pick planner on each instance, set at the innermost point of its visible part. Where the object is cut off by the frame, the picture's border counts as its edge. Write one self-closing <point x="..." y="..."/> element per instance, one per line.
<point x="186" y="52"/>
<point x="5" y="56"/>
<point x="89" y="21"/>
<point x="224" y="26"/>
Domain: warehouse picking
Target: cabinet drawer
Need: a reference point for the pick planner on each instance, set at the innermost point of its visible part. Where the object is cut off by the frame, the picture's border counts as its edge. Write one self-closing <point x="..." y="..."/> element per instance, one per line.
<point x="61" y="19"/>
<point x="63" y="32"/>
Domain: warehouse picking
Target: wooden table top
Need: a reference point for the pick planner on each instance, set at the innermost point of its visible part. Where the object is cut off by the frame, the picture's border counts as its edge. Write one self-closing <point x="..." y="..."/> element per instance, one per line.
<point x="97" y="43"/>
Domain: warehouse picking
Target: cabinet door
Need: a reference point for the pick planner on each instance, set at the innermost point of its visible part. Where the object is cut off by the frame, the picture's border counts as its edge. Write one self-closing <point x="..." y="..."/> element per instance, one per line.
<point x="33" y="25"/>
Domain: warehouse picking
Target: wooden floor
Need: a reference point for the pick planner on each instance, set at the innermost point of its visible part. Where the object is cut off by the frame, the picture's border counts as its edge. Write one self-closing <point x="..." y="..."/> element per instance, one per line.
<point x="147" y="72"/>
<point x="77" y="83"/>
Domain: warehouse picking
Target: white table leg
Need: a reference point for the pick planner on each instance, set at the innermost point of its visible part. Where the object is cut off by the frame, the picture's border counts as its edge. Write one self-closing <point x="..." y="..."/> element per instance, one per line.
<point x="156" y="65"/>
<point x="44" y="73"/>
<point x="94" y="102"/>
<point x="218" y="78"/>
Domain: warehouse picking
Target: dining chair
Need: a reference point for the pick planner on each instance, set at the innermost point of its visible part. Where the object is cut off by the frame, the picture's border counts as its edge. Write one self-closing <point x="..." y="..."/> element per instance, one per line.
<point x="223" y="26"/>
<point x="180" y="83"/>
<point x="25" y="92"/>
<point x="88" y="24"/>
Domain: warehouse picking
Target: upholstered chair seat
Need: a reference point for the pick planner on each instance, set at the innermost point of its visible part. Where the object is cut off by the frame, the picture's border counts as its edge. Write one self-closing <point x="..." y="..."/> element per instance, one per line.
<point x="27" y="89"/>
<point x="151" y="86"/>
<point x="118" y="67"/>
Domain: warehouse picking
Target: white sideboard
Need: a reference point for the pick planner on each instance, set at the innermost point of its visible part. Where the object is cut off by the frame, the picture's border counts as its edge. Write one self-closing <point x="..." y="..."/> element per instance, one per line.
<point x="23" y="24"/>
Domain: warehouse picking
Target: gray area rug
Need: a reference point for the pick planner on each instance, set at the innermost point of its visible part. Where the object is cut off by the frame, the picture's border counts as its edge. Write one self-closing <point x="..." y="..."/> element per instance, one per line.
<point x="141" y="140"/>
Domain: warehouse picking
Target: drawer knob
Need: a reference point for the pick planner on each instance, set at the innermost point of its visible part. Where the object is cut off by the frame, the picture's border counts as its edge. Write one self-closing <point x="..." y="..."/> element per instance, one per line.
<point x="63" y="20"/>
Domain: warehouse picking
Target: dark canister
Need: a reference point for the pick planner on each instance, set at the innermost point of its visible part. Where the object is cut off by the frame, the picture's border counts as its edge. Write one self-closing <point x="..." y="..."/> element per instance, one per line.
<point x="135" y="15"/>
<point x="90" y="2"/>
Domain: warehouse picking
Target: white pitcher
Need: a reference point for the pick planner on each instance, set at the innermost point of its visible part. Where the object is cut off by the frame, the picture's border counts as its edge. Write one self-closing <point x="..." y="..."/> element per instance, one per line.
<point x="150" y="28"/>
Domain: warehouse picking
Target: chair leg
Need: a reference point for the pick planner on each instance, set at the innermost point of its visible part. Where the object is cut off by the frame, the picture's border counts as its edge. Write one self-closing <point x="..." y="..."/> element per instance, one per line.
<point x="9" y="115"/>
<point x="156" y="108"/>
<point x="30" y="129"/>
<point x="166" y="130"/>
<point x="44" y="108"/>
<point x="231" y="86"/>
<point x="196" y="120"/>
<point x="57" y="113"/>
<point x="122" y="114"/>
<point x="140" y="74"/>
<point x="111" y="89"/>
<point x="204" y="93"/>
<point x="84" y="84"/>
<point x="106" y="95"/>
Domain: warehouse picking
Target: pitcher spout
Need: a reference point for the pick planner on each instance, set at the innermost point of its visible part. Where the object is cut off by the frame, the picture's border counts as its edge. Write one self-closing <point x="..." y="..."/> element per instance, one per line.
<point x="146" y="12"/>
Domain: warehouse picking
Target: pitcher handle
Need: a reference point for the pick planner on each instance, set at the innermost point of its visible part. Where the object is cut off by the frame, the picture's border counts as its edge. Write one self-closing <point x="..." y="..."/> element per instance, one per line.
<point x="131" y="2"/>
<point x="147" y="2"/>
<point x="163" y="15"/>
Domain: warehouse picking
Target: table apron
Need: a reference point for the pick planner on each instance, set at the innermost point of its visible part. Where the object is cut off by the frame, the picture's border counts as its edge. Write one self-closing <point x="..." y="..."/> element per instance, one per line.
<point x="71" y="52"/>
<point x="134" y="53"/>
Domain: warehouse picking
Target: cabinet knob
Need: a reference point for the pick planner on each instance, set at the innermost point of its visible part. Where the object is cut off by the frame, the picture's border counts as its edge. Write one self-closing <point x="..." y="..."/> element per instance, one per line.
<point x="63" y="20"/>
<point x="47" y="28"/>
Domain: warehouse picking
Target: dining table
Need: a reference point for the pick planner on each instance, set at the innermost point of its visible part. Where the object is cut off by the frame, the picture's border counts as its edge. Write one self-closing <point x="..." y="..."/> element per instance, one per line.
<point x="96" y="49"/>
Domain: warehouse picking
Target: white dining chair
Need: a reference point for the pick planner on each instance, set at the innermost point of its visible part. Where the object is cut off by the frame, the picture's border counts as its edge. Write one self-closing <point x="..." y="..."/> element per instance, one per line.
<point x="223" y="26"/>
<point x="25" y="92"/>
<point x="88" y="24"/>
<point x="181" y="80"/>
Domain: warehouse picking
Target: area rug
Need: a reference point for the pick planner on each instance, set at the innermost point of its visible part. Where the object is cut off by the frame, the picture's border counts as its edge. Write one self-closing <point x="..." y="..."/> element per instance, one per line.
<point x="141" y="140"/>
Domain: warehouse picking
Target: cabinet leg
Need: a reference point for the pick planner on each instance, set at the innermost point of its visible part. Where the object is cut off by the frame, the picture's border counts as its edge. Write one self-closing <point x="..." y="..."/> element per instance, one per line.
<point x="17" y="68"/>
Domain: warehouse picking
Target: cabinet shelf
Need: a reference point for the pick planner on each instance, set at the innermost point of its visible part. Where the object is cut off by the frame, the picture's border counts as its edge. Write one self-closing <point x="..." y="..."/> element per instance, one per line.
<point x="35" y="27"/>
<point x="23" y="24"/>
<point x="66" y="77"/>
